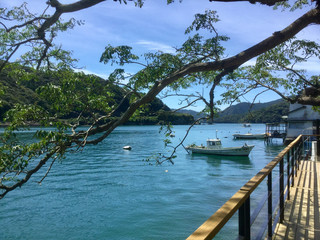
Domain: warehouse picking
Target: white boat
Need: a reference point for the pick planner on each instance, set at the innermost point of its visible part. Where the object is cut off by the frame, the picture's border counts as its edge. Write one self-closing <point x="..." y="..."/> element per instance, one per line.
<point x="247" y="125"/>
<point x="214" y="147"/>
<point x="249" y="136"/>
<point x="127" y="148"/>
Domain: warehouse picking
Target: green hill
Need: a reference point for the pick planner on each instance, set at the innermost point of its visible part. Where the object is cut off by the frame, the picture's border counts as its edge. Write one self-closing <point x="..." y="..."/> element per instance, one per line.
<point x="25" y="93"/>
<point x="270" y="112"/>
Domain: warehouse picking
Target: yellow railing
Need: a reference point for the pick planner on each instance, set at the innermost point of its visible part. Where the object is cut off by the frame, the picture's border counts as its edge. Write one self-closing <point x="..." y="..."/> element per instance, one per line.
<point x="240" y="201"/>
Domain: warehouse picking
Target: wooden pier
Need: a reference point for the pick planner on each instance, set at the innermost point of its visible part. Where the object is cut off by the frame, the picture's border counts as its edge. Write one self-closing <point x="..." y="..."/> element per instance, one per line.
<point x="301" y="214"/>
<point x="296" y="215"/>
<point x="275" y="130"/>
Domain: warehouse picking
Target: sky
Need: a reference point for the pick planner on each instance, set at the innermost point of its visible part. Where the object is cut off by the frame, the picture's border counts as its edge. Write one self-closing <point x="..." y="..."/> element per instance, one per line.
<point x="158" y="26"/>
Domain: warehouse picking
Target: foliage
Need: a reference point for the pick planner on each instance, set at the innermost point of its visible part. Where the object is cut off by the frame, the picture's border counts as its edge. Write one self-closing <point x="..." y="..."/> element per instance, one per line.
<point x="66" y="94"/>
<point x="66" y="99"/>
<point x="272" y="114"/>
<point x="277" y="70"/>
<point x="42" y="52"/>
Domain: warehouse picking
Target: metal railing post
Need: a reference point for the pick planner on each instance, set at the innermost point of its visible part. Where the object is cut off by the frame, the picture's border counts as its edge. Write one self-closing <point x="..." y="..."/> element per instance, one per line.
<point x="299" y="155"/>
<point x="244" y="220"/>
<point x="288" y="174"/>
<point x="270" y="204"/>
<point x="296" y="151"/>
<point x="292" y="166"/>
<point x="281" y="192"/>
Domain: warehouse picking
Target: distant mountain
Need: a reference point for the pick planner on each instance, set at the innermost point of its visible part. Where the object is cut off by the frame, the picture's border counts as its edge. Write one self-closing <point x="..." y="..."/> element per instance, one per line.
<point x="245" y="107"/>
<point x="269" y="112"/>
<point x="195" y="114"/>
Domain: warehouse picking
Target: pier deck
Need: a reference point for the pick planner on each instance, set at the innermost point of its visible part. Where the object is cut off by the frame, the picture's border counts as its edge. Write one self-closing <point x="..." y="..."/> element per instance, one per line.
<point x="301" y="219"/>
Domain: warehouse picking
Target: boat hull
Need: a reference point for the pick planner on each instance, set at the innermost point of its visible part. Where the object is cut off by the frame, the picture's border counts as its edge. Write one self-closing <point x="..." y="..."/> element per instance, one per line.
<point x="250" y="136"/>
<point x="233" y="151"/>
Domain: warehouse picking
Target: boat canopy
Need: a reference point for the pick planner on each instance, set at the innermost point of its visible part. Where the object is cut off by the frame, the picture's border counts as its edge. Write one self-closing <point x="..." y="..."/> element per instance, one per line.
<point x="213" y="142"/>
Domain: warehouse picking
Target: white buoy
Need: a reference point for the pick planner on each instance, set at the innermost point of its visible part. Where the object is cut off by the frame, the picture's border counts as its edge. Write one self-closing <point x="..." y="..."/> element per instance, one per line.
<point x="127" y="147"/>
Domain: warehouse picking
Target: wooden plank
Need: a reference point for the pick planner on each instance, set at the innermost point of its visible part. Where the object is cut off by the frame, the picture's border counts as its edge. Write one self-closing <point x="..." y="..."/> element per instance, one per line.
<point x="301" y="220"/>
<point x="287" y="229"/>
<point x="313" y="185"/>
<point x="316" y="201"/>
<point x="310" y="220"/>
<point x="282" y="229"/>
<point x="295" y="213"/>
<point x="299" y="181"/>
<point x="308" y="204"/>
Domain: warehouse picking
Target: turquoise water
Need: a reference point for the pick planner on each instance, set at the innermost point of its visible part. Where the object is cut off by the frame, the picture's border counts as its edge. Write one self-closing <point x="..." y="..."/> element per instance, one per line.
<point x="106" y="192"/>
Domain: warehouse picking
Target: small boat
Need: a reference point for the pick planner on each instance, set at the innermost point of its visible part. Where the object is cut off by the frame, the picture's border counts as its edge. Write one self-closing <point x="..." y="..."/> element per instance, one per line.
<point x="127" y="148"/>
<point x="249" y="136"/>
<point x="247" y="125"/>
<point x="214" y="147"/>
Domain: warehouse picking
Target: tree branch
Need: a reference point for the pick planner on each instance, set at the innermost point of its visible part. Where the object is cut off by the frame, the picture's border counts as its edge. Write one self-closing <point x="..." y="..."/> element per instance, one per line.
<point x="181" y="142"/>
<point x="229" y="64"/>
<point x="28" y="175"/>
<point x="265" y="2"/>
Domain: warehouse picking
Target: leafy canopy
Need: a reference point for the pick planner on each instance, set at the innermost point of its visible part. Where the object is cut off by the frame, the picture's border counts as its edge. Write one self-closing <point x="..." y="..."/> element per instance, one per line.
<point x="75" y="96"/>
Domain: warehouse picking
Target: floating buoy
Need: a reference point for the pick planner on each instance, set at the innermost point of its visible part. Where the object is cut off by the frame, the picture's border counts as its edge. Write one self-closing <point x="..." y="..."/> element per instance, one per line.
<point x="127" y="147"/>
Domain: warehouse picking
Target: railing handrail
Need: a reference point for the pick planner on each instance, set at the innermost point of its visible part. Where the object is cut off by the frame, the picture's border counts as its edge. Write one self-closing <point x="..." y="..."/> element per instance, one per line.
<point x="254" y="182"/>
<point x="215" y="223"/>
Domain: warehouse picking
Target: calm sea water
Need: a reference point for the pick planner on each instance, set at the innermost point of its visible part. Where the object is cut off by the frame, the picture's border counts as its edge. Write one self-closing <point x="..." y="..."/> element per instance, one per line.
<point x="106" y="192"/>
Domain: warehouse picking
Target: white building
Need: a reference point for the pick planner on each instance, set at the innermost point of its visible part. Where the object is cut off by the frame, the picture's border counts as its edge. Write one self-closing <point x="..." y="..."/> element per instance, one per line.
<point x="301" y="120"/>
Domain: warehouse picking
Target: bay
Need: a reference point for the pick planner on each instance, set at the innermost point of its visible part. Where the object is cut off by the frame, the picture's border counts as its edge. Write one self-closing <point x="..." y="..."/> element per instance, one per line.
<point x="105" y="192"/>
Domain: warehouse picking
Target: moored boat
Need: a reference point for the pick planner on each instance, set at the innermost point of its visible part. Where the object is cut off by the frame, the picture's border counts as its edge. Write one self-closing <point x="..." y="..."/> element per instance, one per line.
<point x="214" y="147"/>
<point x="249" y="136"/>
<point x="127" y="148"/>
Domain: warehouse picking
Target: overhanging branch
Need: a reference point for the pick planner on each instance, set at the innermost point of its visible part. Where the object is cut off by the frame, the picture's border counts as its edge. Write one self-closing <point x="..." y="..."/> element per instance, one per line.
<point x="265" y="2"/>
<point x="228" y="64"/>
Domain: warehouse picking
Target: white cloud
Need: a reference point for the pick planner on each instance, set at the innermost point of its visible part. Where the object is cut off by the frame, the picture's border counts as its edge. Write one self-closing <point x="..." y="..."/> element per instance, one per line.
<point x="251" y="62"/>
<point x="156" y="46"/>
<point x="88" y="72"/>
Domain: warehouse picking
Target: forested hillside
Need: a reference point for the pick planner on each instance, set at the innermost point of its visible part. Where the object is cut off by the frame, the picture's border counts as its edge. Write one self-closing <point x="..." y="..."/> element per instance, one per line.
<point x="156" y="112"/>
<point x="26" y="92"/>
<point x="270" y="112"/>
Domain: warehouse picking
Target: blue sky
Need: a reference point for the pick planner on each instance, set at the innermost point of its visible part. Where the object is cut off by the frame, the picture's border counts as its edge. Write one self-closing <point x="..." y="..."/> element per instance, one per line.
<point x="158" y="26"/>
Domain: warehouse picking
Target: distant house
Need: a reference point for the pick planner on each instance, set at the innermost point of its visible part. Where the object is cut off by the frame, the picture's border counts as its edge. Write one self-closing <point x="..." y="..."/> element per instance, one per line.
<point x="301" y="120"/>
